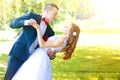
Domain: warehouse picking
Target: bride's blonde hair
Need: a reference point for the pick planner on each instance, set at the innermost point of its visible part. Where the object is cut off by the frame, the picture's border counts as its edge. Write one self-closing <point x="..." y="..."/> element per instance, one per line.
<point x="72" y="41"/>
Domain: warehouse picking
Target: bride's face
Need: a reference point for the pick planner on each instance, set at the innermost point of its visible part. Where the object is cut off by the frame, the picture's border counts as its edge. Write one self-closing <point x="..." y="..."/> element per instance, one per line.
<point x="66" y="29"/>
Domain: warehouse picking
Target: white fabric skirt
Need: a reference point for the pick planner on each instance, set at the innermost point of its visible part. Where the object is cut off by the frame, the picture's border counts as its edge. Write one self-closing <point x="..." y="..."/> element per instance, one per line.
<point x="37" y="67"/>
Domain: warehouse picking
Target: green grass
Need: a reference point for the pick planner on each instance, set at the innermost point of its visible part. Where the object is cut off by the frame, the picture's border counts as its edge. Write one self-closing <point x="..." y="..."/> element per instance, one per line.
<point x="87" y="63"/>
<point x="3" y="62"/>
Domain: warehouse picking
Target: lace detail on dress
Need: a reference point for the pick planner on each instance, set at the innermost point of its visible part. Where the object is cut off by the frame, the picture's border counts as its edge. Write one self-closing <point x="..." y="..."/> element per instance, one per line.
<point x="59" y="48"/>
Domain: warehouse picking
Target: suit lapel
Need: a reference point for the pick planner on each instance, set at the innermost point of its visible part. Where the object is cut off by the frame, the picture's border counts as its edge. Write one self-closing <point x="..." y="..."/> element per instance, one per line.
<point x="38" y="19"/>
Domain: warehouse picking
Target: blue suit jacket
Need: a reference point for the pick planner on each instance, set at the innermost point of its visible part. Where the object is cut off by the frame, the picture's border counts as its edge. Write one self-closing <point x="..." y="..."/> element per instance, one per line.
<point x="21" y="47"/>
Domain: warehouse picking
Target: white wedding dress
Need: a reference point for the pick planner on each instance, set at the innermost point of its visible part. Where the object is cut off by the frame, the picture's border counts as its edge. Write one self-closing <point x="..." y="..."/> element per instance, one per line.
<point x="38" y="66"/>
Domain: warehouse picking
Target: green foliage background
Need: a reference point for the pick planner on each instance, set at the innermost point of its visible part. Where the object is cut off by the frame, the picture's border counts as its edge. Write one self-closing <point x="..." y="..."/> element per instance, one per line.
<point x="10" y="9"/>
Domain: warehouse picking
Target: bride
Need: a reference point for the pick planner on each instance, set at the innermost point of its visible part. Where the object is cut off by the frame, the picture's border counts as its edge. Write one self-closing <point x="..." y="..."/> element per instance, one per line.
<point x="38" y="66"/>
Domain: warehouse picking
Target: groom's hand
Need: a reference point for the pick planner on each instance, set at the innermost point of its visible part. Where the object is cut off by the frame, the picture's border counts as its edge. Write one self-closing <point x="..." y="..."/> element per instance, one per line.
<point x="51" y="54"/>
<point x="30" y="22"/>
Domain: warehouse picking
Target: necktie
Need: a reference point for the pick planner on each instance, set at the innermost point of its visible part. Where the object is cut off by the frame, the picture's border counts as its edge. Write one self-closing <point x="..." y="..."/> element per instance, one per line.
<point x="46" y="22"/>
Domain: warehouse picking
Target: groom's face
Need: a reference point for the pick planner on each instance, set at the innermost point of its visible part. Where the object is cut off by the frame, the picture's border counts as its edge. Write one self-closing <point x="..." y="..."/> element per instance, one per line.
<point x="51" y="14"/>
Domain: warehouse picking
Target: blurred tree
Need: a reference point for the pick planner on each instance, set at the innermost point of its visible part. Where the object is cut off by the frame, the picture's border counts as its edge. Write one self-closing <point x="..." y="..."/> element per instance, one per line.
<point x="1" y="14"/>
<point x="10" y="9"/>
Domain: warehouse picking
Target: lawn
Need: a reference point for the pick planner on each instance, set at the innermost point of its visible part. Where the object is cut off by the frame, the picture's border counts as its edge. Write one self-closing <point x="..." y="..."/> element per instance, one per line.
<point x="87" y="63"/>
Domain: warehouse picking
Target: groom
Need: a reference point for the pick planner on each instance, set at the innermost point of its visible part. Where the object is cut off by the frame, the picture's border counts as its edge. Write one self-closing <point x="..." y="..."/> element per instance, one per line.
<point x="24" y="45"/>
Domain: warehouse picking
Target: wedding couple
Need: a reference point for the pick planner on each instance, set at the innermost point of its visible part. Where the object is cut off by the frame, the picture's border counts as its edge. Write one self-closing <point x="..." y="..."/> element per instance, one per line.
<point x="27" y="60"/>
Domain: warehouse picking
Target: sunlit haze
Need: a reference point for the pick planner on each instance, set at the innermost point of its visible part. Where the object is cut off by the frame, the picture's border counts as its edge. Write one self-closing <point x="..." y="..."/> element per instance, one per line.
<point x="107" y="10"/>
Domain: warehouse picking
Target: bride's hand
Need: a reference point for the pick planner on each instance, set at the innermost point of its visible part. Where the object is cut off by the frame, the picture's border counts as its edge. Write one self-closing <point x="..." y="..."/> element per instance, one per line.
<point x="36" y="26"/>
<point x="51" y="54"/>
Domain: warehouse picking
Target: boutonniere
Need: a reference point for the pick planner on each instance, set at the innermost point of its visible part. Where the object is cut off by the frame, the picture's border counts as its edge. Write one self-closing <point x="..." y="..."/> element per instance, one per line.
<point x="45" y="37"/>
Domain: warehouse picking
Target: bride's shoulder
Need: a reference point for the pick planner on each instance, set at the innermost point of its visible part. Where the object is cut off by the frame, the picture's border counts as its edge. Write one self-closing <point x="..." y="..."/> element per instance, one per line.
<point x="57" y="38"/>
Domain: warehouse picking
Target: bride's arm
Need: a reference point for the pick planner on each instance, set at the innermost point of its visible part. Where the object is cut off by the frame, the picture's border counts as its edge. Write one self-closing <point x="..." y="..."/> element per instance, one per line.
<point x="47" y="44"/>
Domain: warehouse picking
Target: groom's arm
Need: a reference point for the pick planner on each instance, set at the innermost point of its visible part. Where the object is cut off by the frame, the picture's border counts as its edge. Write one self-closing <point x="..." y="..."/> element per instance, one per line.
<point x="20" y="21"/>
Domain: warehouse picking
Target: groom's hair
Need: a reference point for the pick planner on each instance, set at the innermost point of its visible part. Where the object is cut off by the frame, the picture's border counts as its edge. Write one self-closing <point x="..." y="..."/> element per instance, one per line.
<point x="50" y="6"/>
